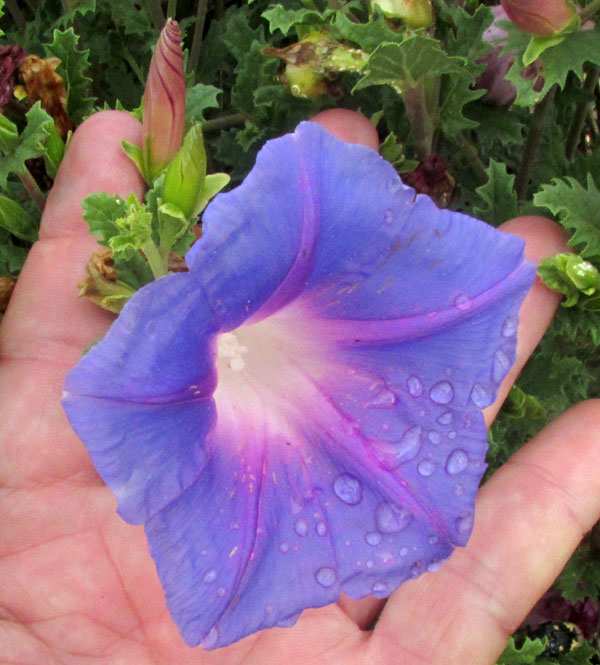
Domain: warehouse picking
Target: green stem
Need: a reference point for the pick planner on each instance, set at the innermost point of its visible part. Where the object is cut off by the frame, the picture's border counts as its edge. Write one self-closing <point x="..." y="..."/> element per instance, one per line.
<point x="197" y="38"/>
<point x="172" y="8"/>
<point x="156" y="13"/>
<point x="137" y="70"/>
<point x="420" y="101"/>
<point x="17" y="15"/>
<point x="534" y="138"/>
<point x="32" y="188"/>
<point x="157" y="263"/>
<point x="581" y="112"/>
<point x="589" y="11"/>
<point x="472" y="157"/>
<point x="224" y="122"/>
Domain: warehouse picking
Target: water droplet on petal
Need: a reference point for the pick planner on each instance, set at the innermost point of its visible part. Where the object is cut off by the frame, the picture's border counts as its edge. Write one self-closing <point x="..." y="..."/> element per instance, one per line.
<point x="348" y="489"/>
<point x="211" y="639"/>
<point x="390" y="518"/>
<point x="409" y="445"/>
<point x="373" y="538"/>
<point x="150" y="328"/>
<point x="284" y="547"/>
<point x="426" y="467"/>
<point x="414" y="385"/>
<point x="221" y="591"/>
<point x="394" y="185"/>
<point x="234" y="526"/>
<point x="500" y="366"/>
<point x="442" y="392"/>
<point x="480" y="396"/>
<point x="296" y="507"/>
<point x="446" y="418"/>
<point x="436" y="565"/>
<point x="385" y="556"/>
<point x="458" y="489"/>
<point x="385" y="399"/>
<point x="462" y="302"/>
<point x="434" y="437"/>
<point x="457" y="461"/>
<point x="369" y="564"/>
<point x="325" y="576"/>
<point x="388" y="216"/>
<point x="379" y="587"/>
<point x="464" y="523"/>
<point x="269" y="609"/>
<point x="321" y="528"/>
<point x="509" y="327"/>
<point x="210" y="576"/>
<point x="418" y="568"/>
<point x="452" y="435"/>
<point x="433" y="539"/>
<point x="301" y="527"/>
<point x="403" y="551"/>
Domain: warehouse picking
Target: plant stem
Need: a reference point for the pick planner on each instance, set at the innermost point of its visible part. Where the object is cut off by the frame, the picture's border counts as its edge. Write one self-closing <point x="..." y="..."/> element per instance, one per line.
<point x="420" y="102"/>
<point x="581" y="112"/>
<point x="32" y="188"/>
<point x="197" y="38"/>
<point x="172" y="8"/>
<point x="224" y="122"/>
<point x="473" y="157"/>
<point x="156" y="14"/>
<point x="17" y="15"/>
<point x="137" y="70"/>
<point x="589" y="11"/>
<point x="157" y="264"/>
<point x="534" y="138"/>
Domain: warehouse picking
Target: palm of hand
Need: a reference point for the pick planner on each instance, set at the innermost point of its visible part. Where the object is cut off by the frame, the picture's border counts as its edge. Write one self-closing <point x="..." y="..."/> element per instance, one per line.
<point x="77" y="583"/>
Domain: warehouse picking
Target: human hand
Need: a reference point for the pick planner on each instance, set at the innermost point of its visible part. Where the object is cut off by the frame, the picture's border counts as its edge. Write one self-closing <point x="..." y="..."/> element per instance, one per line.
<point x="77" y="584"/>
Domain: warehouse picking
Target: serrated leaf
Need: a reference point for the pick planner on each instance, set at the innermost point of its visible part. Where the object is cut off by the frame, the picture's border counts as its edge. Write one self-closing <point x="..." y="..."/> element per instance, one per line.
<point x="199" y="98"/>
<point x="283" y="19"/>
<point x="74" y="64"/>
<point x="497" y="194"/>
<point x="101" y="211"/>
<point x="468" y="40"/>
<point x="369" y="35"/>
<point x="557" y="62"/>
<point x="417" y="58"/>
<point x="29" y="145"/>
<point x="523" y="654"/>
<point x="75" y="7"/>
<point x="16" y="220"/>
<point x="580" y="578"/>
<point x="578" y="210"/>
<point x="239" y="37"/>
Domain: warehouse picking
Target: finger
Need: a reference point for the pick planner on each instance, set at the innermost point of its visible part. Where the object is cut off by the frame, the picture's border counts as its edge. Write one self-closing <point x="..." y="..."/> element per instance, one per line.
<point x="530" y="517"/>
<point x="543" y="238"/>
<point x="46" y="319"/>
<point x="349" y="126"/>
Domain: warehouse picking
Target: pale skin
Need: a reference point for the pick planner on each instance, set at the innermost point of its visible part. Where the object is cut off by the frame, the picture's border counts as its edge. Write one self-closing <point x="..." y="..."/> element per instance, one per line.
<point x="77" y="584"/>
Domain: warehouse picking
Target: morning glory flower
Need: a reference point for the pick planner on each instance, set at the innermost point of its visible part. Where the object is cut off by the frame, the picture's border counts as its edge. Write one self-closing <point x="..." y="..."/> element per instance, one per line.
<point x="300" y="413"/>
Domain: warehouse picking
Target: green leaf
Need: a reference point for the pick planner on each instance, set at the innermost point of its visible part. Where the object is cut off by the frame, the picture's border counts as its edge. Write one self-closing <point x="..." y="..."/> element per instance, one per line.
<point x="581" y="576"/>
<point x="29" y="145"/>
<point x="213" y="184"/>
<point x="369" y="35"/>
<point x="578" y="210"/>
<point x="135" y="227"/>
<point x="9" y="134"/>
<point x="101" y="211"/>
<point x="283" y="19"/>
<point x="55" y="151"/>
<point x="497" y="194"/>
<point x="523" y="654"/>
<point x="2" y="33"/>
<point x="572" y="276"/>
<point x="558" y="61"/>
<point x="537" y="45"/>
<point x="17" y="220"/>
<point x="136" y="155"/>
<point x="81" y="7"/>
<point x="198" y="99"/>
<point x="12" y="257"/>
<point x="417" y="58"/>
<point x="74" y="64"/>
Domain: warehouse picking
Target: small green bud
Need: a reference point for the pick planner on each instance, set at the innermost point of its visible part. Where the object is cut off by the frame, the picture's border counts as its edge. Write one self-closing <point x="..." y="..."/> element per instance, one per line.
<point x="415" y="13"/>
<point x="184" y="179"/>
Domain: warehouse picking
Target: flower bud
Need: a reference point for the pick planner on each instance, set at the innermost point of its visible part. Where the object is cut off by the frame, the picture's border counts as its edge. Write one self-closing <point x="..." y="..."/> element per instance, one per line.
<point x="164" y="103"/>
<point x="541" y="17"/>
<point x="415" y="13"/>
<point x="184" y="179"/>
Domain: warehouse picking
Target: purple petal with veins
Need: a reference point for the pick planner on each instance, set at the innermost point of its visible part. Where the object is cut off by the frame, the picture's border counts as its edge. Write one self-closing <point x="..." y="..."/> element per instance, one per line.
<point x="300" y="414"/>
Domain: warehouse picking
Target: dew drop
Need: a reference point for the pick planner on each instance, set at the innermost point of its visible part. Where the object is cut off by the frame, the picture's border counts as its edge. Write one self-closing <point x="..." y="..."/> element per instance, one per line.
<point x="426" y="467"/>
<point x="403" y="551"/>
<point x="234" y="526"/>
<point x="446" y="418"/>
<point x="464" y="523"/>
<point x="458" y="489"/>
<point x="325" y="576"/>
<point x="369" y="564"/>
<point x="210" y="576"/>
<point x="284" y="547"/>
<point x="480" y="396"/>
<point x="436" y="565"/>
<point x="457" y="461"/>
<point x="394" y="185"/>
<point x="409" y="445"/>
<point x="452" y="435"/>
<point x="433" y="539"/>
<point x="442" y="392"/>
<point x="385" y="399"/>
<point x="221" y="591"/>
<point x="211" y="639"/>
<point x="269" y="609"/>
<point x="462" y="302"/>
<point x="373" y="538"/>
<point x="388" y="216"/>
<point x="509" y="327"/>
<point x="418" y="568"/>
<point x="500" y="366"/>
<point x="379" y="587"/>
<point x="321" y="528"/>
<point x="348" y="489"/>
<point x="385" y="556"/>
<point x="414" y="385"/>
<point x="301" y="527"/>
<point x="150" y="328"/>
<point x="434" y="437"/>
<point x="390" y="518"/>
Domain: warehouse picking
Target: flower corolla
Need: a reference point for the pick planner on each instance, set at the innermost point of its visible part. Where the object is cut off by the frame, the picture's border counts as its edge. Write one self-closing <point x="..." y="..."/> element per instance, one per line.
<point x="300" y="413"/>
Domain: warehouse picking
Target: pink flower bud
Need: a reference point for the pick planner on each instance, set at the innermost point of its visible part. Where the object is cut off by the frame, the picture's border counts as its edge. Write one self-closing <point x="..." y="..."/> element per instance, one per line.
<point x="541" y="17"/>
<point x="164" y="103"/>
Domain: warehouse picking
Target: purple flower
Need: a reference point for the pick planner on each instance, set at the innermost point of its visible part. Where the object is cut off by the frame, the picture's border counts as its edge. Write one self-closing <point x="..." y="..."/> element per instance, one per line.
<point x="300" y="414"/>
